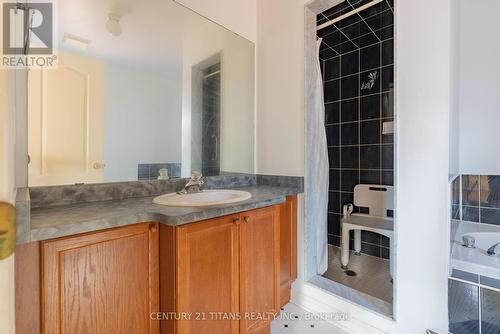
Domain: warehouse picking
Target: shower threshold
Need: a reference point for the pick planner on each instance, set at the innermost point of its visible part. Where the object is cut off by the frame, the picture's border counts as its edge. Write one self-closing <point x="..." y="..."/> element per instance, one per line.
<point x="367" y="283"/>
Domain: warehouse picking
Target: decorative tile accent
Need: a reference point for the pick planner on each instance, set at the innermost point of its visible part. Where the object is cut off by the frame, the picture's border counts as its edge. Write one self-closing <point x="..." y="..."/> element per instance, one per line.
<point x="470" y="190"/>
<point x="478" y="198"/>
<point x="490" y="191"/>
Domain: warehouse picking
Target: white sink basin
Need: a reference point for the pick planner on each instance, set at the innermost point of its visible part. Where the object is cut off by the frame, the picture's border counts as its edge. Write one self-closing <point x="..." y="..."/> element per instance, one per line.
<point x="204" y="198"/>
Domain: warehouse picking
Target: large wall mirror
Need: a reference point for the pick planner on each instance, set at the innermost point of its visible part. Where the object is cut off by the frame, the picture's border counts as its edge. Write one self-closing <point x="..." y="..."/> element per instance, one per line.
<point x="143" y="89"/>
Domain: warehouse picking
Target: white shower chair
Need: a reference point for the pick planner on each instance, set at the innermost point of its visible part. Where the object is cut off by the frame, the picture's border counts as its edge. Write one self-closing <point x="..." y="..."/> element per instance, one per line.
<point x="378" y="199"/>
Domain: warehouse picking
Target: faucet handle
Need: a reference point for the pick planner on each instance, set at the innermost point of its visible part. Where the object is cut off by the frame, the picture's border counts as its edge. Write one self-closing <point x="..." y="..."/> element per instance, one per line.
<point x="195" y="175"/>
<point x="469" y="241"/>
<point x="197" y="178"/>
<point x="491" y="250"/>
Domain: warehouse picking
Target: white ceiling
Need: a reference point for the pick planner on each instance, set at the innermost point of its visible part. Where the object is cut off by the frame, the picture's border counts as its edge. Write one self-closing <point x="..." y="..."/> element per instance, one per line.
<point x="152" y="30"/>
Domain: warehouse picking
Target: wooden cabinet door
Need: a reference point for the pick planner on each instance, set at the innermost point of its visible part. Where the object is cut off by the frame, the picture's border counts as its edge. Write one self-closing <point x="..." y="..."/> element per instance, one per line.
<point x="259" y="269"/>
<point x="101" y="282"/>
<point x="288" y="247"/>
<point x="207" y="276"/>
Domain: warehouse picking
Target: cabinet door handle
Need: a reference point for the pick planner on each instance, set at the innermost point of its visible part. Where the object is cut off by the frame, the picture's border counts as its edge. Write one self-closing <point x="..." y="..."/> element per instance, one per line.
<point x="236" y="220"/>
<point x="152" y="228"/>
<point x="246" y="219"/>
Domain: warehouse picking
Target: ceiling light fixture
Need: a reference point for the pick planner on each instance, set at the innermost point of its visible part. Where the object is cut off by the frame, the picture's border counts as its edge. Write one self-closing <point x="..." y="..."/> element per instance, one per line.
<point x="76" y="41"/>
<point x="113" y="25"/>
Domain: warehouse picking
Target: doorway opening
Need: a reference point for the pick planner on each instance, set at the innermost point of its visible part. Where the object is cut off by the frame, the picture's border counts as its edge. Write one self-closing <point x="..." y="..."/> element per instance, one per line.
<point x="355" y="50"/>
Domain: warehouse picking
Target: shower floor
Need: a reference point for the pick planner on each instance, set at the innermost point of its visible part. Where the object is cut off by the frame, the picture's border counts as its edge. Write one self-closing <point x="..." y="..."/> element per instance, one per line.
<point x="372" y="274"/>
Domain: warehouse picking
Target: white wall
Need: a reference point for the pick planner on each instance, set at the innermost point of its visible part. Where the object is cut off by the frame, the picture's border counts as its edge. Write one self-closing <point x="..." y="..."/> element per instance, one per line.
<point x="142" y="120"/>
<point x="280" y="87"/>
<point x="237" y="16"/>
<point x="454" y="84"/>
<point x="21" y="165"/>
<point x="422" y="165"/>
<point x="7" y="190"/>
<point x="478" y="52"/>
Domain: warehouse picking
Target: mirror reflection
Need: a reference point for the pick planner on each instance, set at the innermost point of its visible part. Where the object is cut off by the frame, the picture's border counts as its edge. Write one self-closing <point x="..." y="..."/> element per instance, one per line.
<point x="143" y="90"/>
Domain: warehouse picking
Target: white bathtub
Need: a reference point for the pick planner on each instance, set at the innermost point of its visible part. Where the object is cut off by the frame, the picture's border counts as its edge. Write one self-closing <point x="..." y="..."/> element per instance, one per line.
<point x="476" y="260"/>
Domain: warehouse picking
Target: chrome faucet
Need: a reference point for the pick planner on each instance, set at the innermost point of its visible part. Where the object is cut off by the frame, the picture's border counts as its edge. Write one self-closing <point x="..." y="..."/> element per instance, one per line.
<point x="491" y="250"/>
<point x="193" y="185"/>
<point x="468" y="241"/>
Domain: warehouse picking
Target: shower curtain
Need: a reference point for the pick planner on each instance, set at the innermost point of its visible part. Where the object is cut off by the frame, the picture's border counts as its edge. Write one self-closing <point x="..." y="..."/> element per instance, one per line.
<point x="319" y="175"/>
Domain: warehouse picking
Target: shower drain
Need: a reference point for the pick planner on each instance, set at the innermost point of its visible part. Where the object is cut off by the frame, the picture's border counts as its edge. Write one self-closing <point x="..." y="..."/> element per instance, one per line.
<point x="350" y="273"/>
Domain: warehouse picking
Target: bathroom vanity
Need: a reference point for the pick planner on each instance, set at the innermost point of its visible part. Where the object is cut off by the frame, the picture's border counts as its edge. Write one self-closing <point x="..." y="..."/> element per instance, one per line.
<point x="227" y="274"/>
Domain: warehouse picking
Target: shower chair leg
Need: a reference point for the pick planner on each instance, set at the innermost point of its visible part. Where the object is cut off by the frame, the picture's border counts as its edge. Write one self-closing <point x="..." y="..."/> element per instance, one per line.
<point x="357" y="242"/>
<point x="344" y="259"/>
<point x="391" y="256"/>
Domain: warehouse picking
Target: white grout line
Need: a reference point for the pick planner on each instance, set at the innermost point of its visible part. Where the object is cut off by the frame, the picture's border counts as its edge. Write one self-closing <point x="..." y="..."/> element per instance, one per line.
<point x="361" y="72"/>
<point x="331" y="14"/>
<point x="358" y="49"/>
<point x="338" y="54"/>
<point x="381" y="136"/>
<point x="355" y="170"/>
<point x="479" y="306"/>
<point x="359" y="116"/>
<point x="340" y="139"/>
<point x="350" y="40"/>
<point x="362" y="120"/>
<point x="352" y="98"/>
<point x="369" y="33"/>
<point x="353" y="12"/>
<point x="367" y="23"/>
<point x="389" y="5"/>
<point x="479" y="285"/>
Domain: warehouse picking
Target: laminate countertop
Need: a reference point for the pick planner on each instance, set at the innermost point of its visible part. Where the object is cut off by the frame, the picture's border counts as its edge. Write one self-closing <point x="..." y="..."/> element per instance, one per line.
<point x="58" y="221"/>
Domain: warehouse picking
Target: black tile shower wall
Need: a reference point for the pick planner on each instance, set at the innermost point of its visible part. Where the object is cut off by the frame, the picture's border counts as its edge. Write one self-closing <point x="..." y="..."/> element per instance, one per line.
<point x="357" y="60"/>
<point x="476" y="198"/>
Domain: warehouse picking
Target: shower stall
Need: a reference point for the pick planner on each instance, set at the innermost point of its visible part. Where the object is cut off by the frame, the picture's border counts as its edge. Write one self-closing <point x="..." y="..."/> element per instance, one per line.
<point x="354" y="119"/>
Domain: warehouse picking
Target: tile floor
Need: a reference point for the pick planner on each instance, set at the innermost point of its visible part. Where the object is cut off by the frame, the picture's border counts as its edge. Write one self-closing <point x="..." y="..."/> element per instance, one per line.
<point x="293" y="321"/>
<point x="372" y="274"/>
